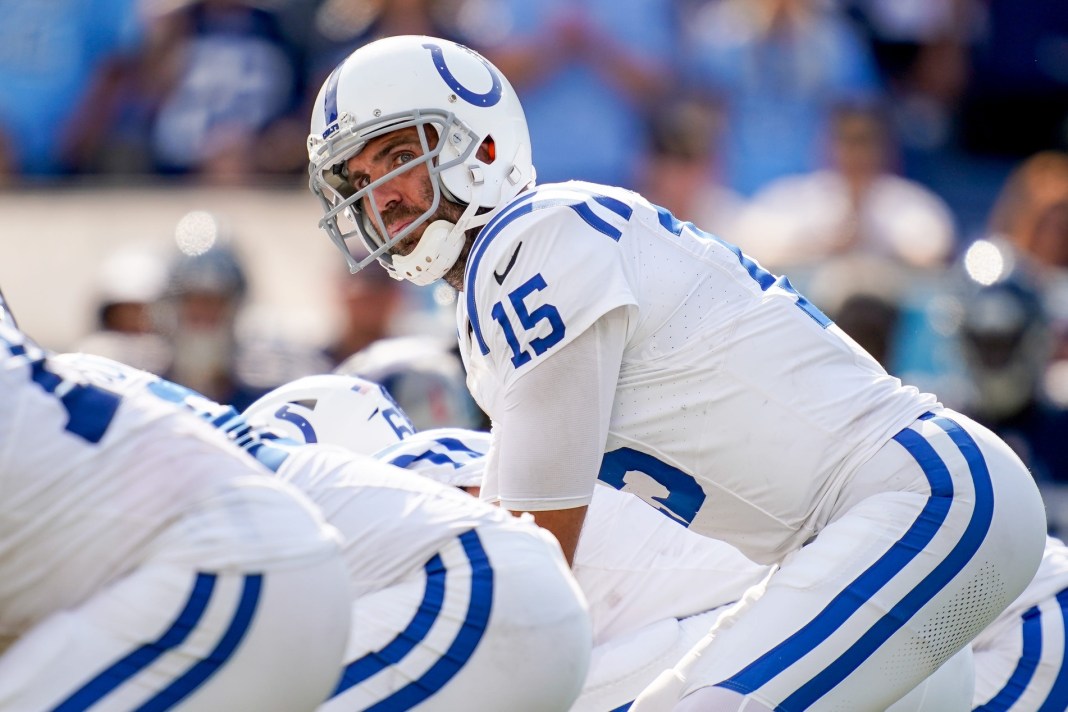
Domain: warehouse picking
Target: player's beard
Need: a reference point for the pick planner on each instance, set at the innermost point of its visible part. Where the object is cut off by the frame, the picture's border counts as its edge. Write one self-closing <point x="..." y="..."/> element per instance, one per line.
<point x="447" y="210"/>
<point x="455" y="276"/>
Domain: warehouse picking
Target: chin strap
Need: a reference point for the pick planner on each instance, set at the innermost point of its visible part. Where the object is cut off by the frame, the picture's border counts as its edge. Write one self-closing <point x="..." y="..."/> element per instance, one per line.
<point x="433" y="255"/>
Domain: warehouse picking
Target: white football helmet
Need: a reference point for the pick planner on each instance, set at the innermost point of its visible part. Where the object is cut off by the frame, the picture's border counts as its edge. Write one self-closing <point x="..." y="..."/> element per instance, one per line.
<point x="420" y="81"/>
<point x="424" y="375"/>
<point x="451" y="456"/>
<point x="333" y="409"/>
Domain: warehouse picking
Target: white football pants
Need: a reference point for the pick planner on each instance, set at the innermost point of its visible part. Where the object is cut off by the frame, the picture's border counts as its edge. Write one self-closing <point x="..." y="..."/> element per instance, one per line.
<point x="493" y="621"/>
<point x="167" y="638"/>
<point x="1020" y="666"/>
<point x="932" y="538"/>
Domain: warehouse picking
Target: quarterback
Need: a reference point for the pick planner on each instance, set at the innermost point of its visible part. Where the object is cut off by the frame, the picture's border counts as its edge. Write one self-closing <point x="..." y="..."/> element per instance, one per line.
<point x="611" y="342"/>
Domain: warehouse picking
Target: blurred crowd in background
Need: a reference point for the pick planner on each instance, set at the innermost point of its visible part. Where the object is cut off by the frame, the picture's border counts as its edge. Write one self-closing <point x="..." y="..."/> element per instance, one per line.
<point x="904" y="161"/>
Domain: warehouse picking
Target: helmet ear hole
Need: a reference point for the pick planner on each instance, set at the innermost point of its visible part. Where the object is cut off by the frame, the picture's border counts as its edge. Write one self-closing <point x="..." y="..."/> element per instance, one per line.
<point x="487" y="152"/>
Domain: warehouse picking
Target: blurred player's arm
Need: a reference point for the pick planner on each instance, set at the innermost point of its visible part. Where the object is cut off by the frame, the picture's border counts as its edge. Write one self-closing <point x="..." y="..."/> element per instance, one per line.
<point x="550" y="438"/>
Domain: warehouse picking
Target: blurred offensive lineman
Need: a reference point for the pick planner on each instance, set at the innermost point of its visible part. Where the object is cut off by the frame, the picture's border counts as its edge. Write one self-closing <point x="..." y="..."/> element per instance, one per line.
<point x="455" y="604"/>
<point x="145" y="562"/>
<point x="609" y="341"/>
<point x="651" y="586"/>
<point x="654" y="589"/>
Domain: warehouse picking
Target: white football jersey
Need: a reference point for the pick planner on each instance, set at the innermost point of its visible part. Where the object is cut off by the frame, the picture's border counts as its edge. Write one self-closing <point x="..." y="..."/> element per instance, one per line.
<point x="99" y="476"/>
<point x="740" y="409"/>
<point x="392" y="520"/>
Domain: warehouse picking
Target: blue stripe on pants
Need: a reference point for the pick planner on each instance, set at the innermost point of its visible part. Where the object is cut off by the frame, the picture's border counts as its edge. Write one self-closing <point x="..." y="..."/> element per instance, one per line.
<point x="1057" y="701"/>
<point x="433" y="595"/>
<point x="1025" y="666"/>
<point x="460" y="650"/>
<point x="204" y="669"/>
<point x="125" y="668"/>
<point x="900" y="554"/>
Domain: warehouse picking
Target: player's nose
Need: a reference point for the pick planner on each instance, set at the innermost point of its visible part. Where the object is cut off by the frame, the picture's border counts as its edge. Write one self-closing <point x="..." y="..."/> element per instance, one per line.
<point x="387" y="196"/>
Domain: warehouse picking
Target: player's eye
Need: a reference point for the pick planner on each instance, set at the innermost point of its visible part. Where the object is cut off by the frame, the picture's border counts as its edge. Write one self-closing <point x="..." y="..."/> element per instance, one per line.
<point x="345" y="183"/>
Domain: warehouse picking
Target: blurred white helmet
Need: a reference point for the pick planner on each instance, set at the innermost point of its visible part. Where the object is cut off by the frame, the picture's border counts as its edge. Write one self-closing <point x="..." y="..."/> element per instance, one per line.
<point x="405" y="81"/>
<point x="332" y="409"/>
<point x="132" y="273"/>
<point x="424" y="375"/>
<point x="450" y="456"/>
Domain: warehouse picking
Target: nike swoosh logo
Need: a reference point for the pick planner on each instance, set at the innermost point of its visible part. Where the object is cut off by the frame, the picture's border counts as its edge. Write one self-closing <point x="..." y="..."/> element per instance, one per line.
<point x="511" y="263"/>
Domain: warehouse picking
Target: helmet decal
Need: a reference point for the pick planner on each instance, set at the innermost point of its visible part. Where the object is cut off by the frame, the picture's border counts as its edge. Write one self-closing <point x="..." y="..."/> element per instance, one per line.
<point x="302" y="423"/>
<point x="489" y="98"/>
<point x="331" y="409"/>
<point x="451" y="456"/>
<point x="330" y="102"/>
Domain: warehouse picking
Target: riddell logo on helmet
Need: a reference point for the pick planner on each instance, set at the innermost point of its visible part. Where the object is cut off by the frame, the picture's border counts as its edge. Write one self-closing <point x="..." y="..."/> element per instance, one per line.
<point x="487" y="99"/>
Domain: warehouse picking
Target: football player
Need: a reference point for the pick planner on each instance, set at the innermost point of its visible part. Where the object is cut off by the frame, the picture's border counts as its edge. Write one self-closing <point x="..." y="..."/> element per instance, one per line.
<point x="608" y="340"/>
<point x="455" y="604"/>
<point x="145" y="562"/>
<point x="653" y="588"/>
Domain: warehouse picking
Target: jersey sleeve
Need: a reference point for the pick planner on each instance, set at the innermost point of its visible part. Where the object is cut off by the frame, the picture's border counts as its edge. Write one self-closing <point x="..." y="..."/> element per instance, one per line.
<point x="548" y="444"/>
<point x="541" y="273"/>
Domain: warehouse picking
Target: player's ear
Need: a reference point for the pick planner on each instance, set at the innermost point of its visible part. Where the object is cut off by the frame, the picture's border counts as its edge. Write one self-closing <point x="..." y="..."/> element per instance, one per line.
<point x="487" y="152"/>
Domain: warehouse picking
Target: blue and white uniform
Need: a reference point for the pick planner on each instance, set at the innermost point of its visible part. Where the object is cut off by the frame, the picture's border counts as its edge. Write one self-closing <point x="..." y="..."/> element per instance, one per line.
<point x="609" y="341"/>
<point x="146" y="562"/>
<point x="456" y="604"/>
<point x="1020" y="663"/>
<point x="452" y="600"/>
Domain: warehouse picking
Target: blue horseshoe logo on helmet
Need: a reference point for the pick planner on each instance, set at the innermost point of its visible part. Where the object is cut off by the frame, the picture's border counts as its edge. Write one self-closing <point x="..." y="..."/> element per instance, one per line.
<point x="487" y="99"/>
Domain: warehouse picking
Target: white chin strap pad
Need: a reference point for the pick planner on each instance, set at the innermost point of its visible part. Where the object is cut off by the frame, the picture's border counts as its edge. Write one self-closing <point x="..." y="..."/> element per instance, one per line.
<point x="436" y="252"/>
